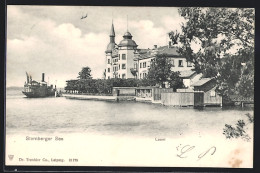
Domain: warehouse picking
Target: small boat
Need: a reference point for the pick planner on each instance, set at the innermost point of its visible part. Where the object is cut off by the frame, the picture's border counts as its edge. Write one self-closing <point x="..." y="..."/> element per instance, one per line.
<point x="34" y="89"/>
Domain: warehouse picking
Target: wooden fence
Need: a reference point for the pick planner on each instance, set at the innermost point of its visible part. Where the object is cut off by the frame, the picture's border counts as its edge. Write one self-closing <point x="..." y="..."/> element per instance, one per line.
<point x="182" y="99"/>
<point x="158" y="91"/>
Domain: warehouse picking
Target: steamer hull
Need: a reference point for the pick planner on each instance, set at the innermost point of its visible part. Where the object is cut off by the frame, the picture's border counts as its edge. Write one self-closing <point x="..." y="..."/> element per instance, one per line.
<point x="34" y="89"/>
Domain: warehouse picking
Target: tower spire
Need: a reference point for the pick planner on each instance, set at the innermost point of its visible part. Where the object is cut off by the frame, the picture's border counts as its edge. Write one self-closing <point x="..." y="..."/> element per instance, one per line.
<point x="112" y="17"/>
<point x="112" y="31"/>
<point x="127" y="23"/>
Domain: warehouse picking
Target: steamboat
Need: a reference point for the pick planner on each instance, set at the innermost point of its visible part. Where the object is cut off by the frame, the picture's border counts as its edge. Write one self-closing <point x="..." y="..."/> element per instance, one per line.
<point x="34" y="89"/>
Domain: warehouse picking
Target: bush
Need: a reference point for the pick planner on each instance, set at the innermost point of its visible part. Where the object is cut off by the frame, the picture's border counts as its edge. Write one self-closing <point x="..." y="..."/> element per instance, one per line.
<point x="239" y="130"/>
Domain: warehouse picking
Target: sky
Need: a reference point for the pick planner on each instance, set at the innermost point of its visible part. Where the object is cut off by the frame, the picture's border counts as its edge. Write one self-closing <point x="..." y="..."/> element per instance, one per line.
<point x="55" y="40"/>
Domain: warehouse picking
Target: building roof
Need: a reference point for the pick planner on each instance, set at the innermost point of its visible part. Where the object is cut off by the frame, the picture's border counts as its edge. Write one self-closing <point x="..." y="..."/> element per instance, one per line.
<point x="172" y="51"/>
<point x="201" y="82"/>
<point x="127" y="35"/>
<point x="127" y="41"/>
<point x="145" y="87"/>
<point x="144" y="54"/>
<point x="169" y="52"/>
<point x="110" y="47"/>
<point x="142" y="51"/>
<point x="112" y="31"/>
<point x="187" y="73"/>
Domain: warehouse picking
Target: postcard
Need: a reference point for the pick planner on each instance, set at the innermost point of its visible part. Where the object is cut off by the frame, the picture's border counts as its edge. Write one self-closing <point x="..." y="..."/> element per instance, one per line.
<point x="129" y="86"/>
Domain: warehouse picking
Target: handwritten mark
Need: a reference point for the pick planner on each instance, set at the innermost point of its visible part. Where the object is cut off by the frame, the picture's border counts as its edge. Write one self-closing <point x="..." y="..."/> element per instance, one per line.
<point x="206" y="152"/>
<point x="184" y="150"/>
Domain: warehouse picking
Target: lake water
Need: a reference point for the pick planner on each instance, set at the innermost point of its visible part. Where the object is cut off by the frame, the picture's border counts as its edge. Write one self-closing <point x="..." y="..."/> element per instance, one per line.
<point x="124" y="118"/>
<point x="100" y="133"/>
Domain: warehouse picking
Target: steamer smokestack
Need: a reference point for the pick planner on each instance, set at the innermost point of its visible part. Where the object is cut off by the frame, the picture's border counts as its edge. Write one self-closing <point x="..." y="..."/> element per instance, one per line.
<point x="42" y="77"/>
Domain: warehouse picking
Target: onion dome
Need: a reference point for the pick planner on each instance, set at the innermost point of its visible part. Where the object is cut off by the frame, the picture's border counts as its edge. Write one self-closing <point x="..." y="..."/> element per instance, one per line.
<point x="110" y="47"/>
<point x="111" y="44"/>
<point x="127" y="35"/>
<point x="127" y="41"/>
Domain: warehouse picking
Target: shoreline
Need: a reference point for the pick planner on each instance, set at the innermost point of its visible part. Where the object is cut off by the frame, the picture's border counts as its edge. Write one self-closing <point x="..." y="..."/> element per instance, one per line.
<point x="89" y="97"/>
<point x="132" y="98"/>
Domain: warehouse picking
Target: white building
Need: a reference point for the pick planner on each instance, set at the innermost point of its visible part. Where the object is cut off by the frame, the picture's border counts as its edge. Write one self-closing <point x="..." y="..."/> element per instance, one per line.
<point x="120" y="58"/>
<point x="144" y="57"/>
<point x="126" y="61"/>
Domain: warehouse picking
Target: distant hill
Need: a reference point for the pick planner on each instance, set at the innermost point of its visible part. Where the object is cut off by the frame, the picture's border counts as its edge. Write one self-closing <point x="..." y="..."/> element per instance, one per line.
<point x="21" y="88"/>
<point x="14" y="88"/>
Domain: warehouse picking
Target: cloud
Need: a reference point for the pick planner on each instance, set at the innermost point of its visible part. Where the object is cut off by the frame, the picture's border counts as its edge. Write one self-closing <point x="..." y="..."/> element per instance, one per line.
<point x="146" y="34"/>
<point x="56" y="41"/>
<point x="60" y="51"/>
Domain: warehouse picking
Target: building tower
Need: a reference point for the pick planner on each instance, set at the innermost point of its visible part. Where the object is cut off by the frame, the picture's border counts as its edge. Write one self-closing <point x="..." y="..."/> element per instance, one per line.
<point x="120" y="58"/>
<point x="110" y="47"/>
<point x="126" y="49"/>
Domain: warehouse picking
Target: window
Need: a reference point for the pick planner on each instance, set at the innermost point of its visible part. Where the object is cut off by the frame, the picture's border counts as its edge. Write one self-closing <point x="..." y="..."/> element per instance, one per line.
<point x="108" y="70"/>
<point x="123" y="66"/>
<point x="123" y="57"/>
<point x="135" y="66"/>
<point x="144" y="64"/>
<point x="172" y="62"/>
<point x="119" y="56"/>
<point x="108" y="61"/>
<point x="119" y="75"/>
<point x="180" y="63"/>
<point x="212" y="93"/>
<point x="148" y="64"/>
<point x="108" y="77"/>
<point x="119" y="66"/>
<point x="189" y="64"/>
<point x="140" y="75"/>
<point x="140" y="65"/>
<point x="144" y="75"/>
<point x="123" y="76"/>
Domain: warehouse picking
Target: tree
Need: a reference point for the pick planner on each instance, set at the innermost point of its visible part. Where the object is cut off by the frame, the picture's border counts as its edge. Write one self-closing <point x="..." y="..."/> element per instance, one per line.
<point x="85" y="73"/>
<point x="175" y="81"/>
<point x="71" y="85"/>
<point x="160" y="72"/>
<point x="225" y="38"/>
